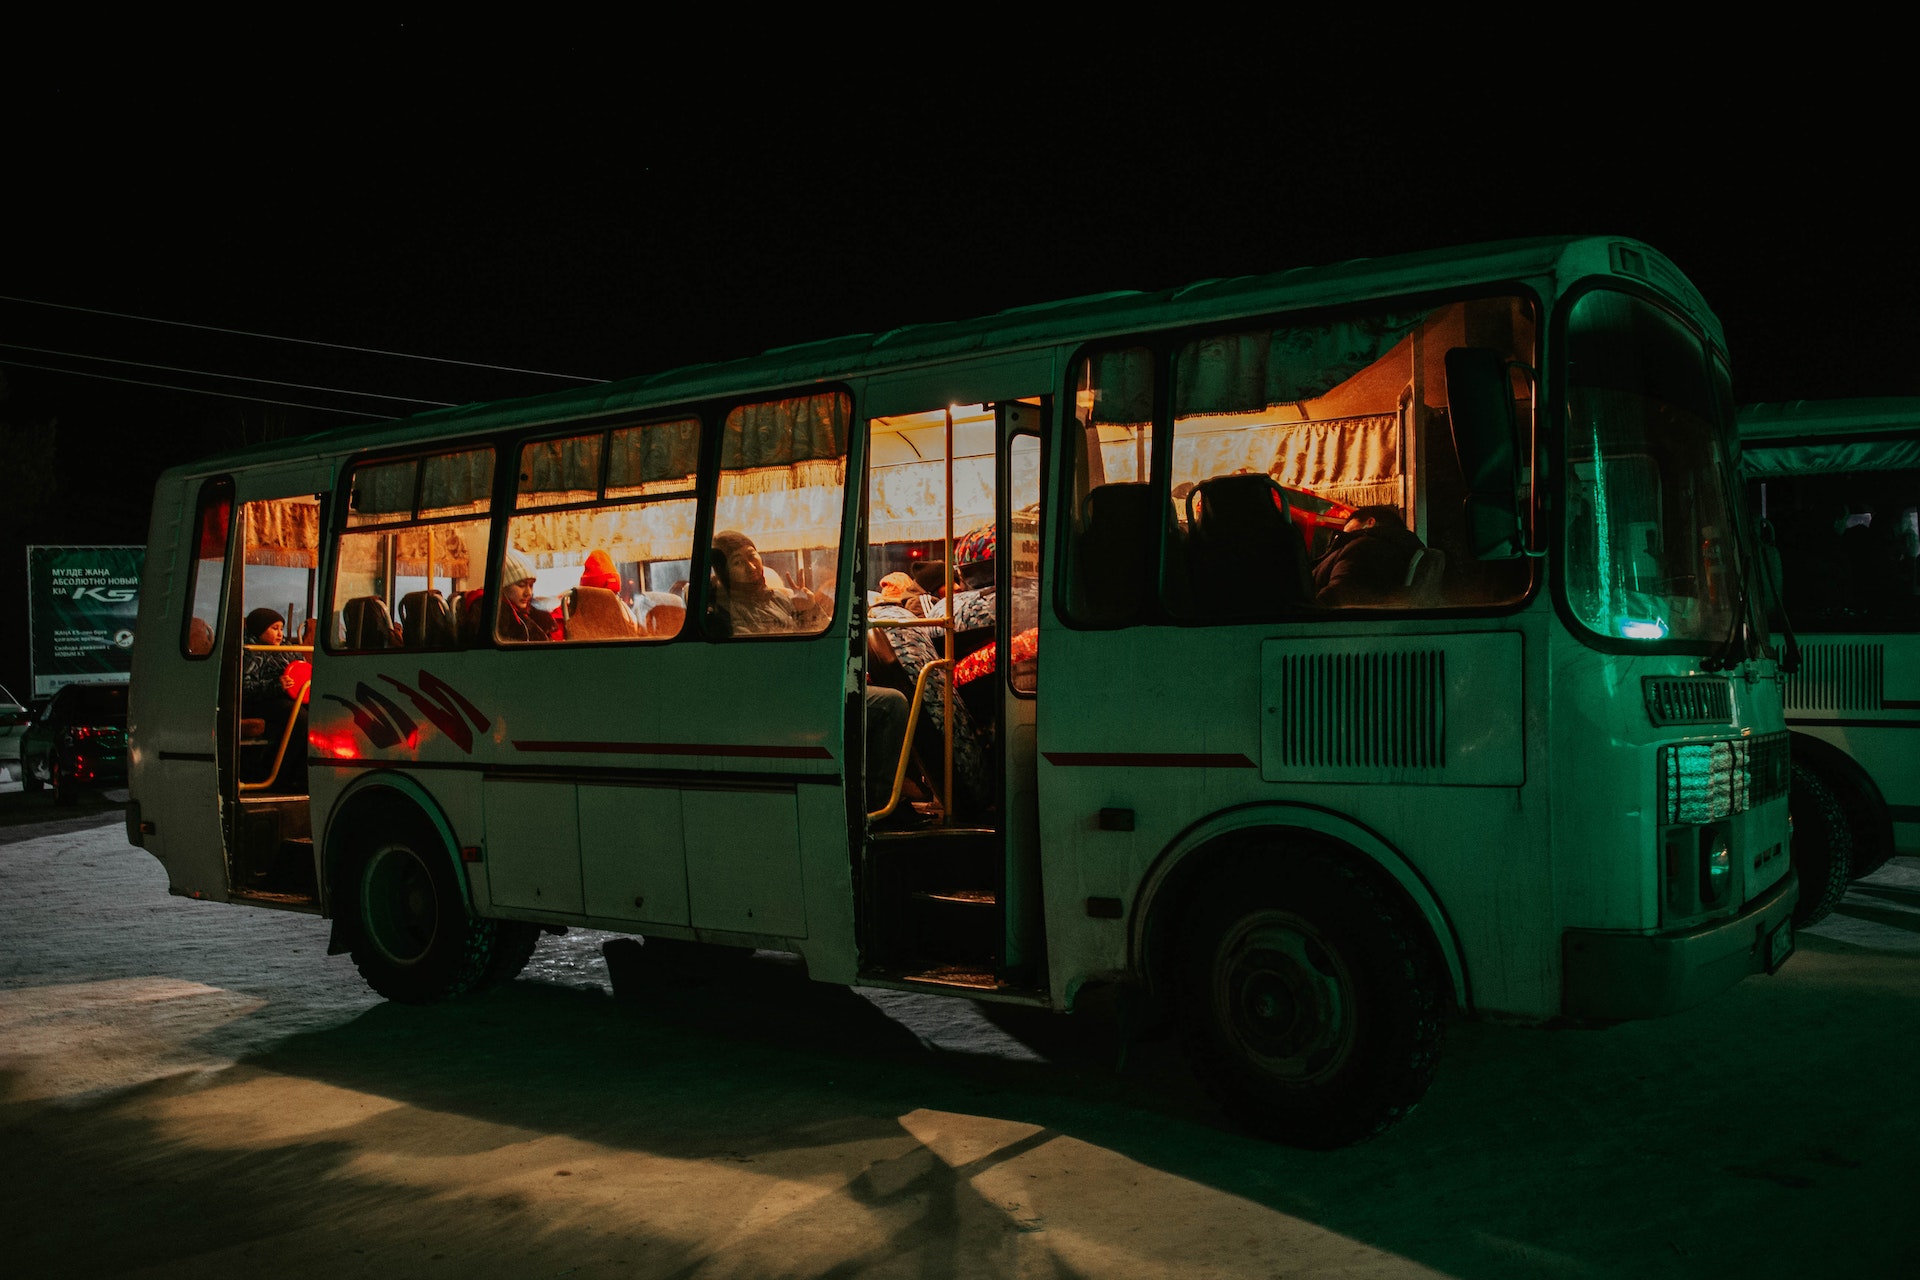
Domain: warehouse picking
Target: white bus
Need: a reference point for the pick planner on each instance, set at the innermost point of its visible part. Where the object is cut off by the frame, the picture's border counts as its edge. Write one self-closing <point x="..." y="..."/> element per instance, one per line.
<point x="1376" y="641"/>
<point x="1838" y="484"/>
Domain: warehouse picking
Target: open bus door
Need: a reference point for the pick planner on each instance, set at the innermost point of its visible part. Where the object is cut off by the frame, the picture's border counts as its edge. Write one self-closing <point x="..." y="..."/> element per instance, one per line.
<point x="261" y="745"/>
<point x="951" y="896"/>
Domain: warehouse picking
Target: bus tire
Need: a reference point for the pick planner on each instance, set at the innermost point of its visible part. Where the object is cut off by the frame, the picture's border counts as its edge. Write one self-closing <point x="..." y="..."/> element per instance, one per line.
<point x="417" y="942"/>
<point x="513" y="944"/>
<point x="1822" y="845"/>
<point x="1869" y="821"/>
<point x="1312" y="1004"/>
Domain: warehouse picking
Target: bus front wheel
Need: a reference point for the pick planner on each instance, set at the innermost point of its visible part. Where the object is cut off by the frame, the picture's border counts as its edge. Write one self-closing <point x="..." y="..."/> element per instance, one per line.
<point x="417" y="941"/>
<point x="1313" y="1007"/>
<point x="1822" y="845"/>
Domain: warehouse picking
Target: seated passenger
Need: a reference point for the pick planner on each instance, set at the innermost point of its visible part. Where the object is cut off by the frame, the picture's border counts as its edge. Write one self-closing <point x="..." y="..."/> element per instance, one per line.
<point x="594" y="610"/>
<point x="1368" y="559"/>
<point x="749" y="605"/>
<point x="519" y="620"/>
<point x="915" y="648"/>
<point x="269" y="688"/>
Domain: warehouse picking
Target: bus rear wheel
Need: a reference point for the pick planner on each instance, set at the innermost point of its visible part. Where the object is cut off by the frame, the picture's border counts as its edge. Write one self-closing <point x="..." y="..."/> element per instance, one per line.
<point x="417" y="942"/>
<point x="1313" y="1008"/>
<point x="1822" y="847"/>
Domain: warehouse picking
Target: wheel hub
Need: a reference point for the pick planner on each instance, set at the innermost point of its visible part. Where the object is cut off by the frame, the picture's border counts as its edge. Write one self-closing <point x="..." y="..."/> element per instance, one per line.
<point x="1286" y="997"/>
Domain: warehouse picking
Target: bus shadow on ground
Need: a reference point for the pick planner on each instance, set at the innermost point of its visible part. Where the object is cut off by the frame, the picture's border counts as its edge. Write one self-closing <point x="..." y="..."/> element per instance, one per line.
<point x="1648" y="1148"/>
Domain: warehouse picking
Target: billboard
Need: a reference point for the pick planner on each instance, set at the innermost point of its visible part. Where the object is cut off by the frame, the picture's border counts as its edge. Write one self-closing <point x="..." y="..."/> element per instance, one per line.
<point x="81" y="606"/>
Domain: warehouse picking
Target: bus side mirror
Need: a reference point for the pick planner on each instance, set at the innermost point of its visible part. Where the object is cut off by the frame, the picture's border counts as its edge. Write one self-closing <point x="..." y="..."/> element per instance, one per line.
<point x="1485" y="436"/>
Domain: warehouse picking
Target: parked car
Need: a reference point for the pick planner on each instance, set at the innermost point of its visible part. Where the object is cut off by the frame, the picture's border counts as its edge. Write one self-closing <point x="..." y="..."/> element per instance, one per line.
<point x="14" y="718"/>
<point x="78" y="740"/>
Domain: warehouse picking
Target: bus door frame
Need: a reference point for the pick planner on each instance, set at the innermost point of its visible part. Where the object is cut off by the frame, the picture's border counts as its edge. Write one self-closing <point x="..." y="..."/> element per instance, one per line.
<point x="309" y="478"/>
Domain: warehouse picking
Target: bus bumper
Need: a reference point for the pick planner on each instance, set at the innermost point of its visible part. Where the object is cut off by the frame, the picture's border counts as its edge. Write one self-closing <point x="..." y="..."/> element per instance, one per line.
<point x="1614" y="976"/>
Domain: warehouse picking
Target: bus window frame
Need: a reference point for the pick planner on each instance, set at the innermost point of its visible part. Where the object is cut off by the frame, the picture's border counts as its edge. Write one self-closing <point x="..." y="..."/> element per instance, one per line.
<point x="604" y="426"/>
<point x="187" y="615"/>
<point x="701" y="600"/>
<point x="336" y="521"/>
<point x="1551" y="457"/>
<point x="1165" y="345"/>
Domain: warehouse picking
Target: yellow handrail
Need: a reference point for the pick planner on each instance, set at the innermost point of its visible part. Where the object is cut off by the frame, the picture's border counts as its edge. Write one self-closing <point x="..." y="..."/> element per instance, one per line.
<point x="293" y="716"/>
<point x="906" y="745"/>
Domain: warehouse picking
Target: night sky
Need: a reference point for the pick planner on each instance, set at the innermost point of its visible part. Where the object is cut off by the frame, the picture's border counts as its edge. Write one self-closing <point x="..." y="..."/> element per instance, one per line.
<point x="561" y="211"/>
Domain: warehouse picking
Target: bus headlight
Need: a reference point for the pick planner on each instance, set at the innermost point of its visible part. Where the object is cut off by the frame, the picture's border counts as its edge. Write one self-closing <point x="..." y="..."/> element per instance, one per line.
<point x="1716" y="867"/>
<point x="1697" y="870"/>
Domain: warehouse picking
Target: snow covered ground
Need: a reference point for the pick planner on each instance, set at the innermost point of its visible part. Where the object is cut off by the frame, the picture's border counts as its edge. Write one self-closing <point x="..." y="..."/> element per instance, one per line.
<point x="189" y="1089"/>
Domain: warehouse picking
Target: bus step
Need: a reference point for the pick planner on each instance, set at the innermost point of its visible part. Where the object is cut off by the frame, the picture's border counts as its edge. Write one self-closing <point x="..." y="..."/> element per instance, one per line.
<point x="963" y="897"/>
<point x="953" y="927"/>
<point x="956" y="975"/>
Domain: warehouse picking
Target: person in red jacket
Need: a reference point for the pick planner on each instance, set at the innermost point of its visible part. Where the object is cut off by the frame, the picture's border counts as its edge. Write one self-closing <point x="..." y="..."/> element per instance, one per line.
<point x="1367" y="562"/>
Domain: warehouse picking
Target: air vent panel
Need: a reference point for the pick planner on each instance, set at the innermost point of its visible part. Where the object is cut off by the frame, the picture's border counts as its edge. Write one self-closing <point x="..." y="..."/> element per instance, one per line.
<point x="1430" y="709"/>
<point x="1838" y="677"/>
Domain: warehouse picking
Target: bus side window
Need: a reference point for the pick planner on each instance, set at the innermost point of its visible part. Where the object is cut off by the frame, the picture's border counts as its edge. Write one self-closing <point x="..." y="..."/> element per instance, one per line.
<point x="1112" y="539"/>
<point x="415" y="542"/>
<point x="776" y="544"/>
<point x="603" y="527"/>
<point x="209" y="563"/>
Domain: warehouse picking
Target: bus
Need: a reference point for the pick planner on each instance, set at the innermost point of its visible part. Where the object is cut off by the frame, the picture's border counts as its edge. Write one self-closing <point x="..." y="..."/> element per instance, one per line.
<point x="1314" y="657"/>
<point x="1837" y="483"/>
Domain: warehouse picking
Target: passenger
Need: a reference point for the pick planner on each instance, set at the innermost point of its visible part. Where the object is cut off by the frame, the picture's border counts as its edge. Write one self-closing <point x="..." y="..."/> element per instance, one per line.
<point x="519" y="621"/>
<point x="1368" y="560"/>
<point x="931" y="577"/>
<point x="594" y="610"/>
<point x="973" y="603"/>
<point x="748" y="605"/>
<point x="915" y="648"/>
<point x="886" y="715"/>
<point x="901" y="589"/>
<point x="272" y="692"/>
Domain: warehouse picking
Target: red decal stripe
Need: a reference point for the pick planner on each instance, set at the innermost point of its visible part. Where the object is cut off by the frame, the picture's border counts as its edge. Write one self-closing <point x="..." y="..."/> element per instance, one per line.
<point x="678" y="749"/>
<point x="1148" y="759"/>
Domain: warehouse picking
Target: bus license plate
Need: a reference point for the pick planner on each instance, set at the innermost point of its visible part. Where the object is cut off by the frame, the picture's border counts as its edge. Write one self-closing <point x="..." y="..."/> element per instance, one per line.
<point x="1779" y="946"/>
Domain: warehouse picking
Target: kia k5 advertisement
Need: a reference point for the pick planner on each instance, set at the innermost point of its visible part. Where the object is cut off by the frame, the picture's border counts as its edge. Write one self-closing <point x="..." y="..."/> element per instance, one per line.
<point x="81" y="604"/>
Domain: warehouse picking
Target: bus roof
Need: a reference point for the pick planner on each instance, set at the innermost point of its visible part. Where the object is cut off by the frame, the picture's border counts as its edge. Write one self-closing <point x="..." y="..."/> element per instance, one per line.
<point x="1024" y="327"/>
<point x="1815" y="437"/>
<point x="1764" y="423"/>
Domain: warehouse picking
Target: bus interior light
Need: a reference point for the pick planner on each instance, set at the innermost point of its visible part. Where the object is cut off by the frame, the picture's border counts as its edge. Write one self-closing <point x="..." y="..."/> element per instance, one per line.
<point x="1643" y="628"/>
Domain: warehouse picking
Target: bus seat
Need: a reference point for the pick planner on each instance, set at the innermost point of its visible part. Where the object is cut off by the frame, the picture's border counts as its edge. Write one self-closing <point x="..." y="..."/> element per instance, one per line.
<point x="425" y="620"/>
<point x="1247" y="553"/>
<point x="1424" y="574"/>
<point x="1117" y="550"/>
<point x="967" y="640"/>
<point x="469" y="617"/>
<point x="599" y="614"/>
<point x="666" y="614"/>
<point x="367" y="623"/>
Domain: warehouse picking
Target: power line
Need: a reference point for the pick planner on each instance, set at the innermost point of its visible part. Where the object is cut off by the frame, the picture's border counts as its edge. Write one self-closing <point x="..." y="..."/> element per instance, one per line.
<point x="232" y="377"/>
<point x="192" y="391"/>
<point x="308" y="342"/>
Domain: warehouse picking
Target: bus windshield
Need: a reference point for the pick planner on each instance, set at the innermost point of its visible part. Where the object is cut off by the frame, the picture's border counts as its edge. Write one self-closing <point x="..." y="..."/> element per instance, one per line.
<point x="1651" y="532"/>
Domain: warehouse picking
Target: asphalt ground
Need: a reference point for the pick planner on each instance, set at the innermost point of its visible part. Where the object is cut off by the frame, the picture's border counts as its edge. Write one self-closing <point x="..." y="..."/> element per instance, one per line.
<point x="190" y="1088"/>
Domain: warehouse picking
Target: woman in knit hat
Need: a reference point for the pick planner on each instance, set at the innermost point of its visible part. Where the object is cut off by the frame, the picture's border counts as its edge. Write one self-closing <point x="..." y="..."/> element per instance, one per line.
<point x="520" y="622"/>
<point x="748" y="605"/>
<point x="263" y="675"/>
<point x="267" y="691"/>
